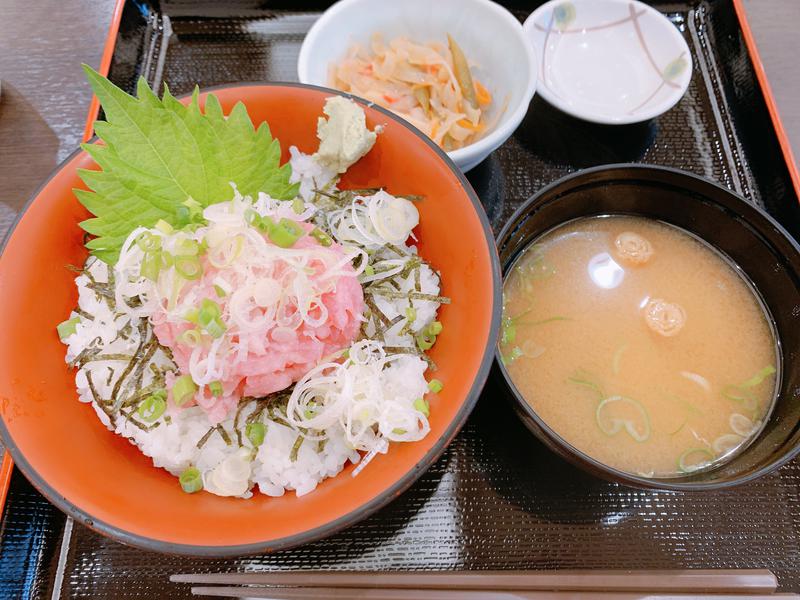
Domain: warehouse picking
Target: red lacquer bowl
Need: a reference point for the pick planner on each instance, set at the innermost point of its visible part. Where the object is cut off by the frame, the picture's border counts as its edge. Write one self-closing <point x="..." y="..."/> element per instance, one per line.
<point x="104" y="482"/>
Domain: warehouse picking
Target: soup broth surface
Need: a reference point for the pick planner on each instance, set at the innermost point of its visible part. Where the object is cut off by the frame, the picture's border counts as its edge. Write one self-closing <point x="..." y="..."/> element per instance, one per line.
<point x="639" y="345"/>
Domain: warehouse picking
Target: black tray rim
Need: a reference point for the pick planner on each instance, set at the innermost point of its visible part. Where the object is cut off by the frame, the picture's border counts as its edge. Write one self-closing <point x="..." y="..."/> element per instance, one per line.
<point x="365" y="510"/>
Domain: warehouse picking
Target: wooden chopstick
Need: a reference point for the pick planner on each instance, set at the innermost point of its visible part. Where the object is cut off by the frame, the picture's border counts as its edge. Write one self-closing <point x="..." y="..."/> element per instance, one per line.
<point x="413" y="594"/>
<point x="755" y="581"/>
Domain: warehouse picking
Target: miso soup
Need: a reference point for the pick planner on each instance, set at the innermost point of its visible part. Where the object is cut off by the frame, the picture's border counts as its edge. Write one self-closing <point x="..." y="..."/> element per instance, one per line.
<point x="639" y="345"/>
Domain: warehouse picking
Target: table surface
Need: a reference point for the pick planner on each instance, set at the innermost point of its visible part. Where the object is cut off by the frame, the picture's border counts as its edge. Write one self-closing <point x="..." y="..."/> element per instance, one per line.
<point x="44" y="96"/>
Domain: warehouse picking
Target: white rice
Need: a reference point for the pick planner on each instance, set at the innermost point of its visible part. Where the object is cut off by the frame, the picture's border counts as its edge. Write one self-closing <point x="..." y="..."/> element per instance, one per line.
<point x="173" y="445"/>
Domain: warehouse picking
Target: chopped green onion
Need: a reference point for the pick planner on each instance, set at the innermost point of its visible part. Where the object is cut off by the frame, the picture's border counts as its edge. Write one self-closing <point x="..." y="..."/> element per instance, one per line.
<point x="425" y="341"/>
<point x="192" y="204"/>
<point x="220" y="292"/>
<point x="209" y="310"/>
<point x="68" y="327"/>
<point x="726" y="443"/>
<point x="509" y="331"/>
<point x="515" y="353"/>
<point x="215" y="387"/>
<point x="256" y="432"/>
<point x="164" y="227"/>
<point x="581" y="378"/>
<point x="152" y="407"/>
<point x="759" y="377"/>
<point x="191" y="481"/>
<point x="148" y="242"/>
<point x="435" y="386"/>
<point x="369" y="270"/>
<point x="311" y="410"/>
<point x="183" y="389"/>
<point x="696" y="465"/>
<point x="187" y="247"/>
<point x="411" y="314"/>
<point x="613" y="425"/>
<point x="741" y="424"/>
<point x="285" y="233"/>
<point x="422" y="406"/>
<point x="190" y="337"/>
<point x="265" y="224"/>
<point x="323" y="238"/>
<point x="188" y="267"/>
<point x="182" y="215"/>
<point x="191" y="315"/>
<point x="151" y="265"/>
<point x="398" y="431"/>
<point x="435" y="328"/>
<point x="298" y="206"/>
<point x="216" y="328"/>
<point x="251" y="217"/>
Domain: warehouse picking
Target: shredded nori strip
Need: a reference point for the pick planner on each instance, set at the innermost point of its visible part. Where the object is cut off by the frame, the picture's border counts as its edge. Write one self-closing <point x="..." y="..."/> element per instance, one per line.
<point x="110" y="376"/>
<point x="377" y="312"/>
<point x="99" y="357"/>
<point x="83" y="314"/>
<point x="138" y="374"/>
<point x="410" y="295"/>
<point x="101" y="289"/>
<point x="202" y="441"/>
<point x="84" y="356"/>
<point x="101" y="403"/>
<point x="382" y="332"/>
<point x="224" y="435"/>
<point x="132" y="364"/>
<point x="396" y="250"/>
<point x="296" y="447"/>
<point x="142" y="393"/>
<point x="129" y="418"/>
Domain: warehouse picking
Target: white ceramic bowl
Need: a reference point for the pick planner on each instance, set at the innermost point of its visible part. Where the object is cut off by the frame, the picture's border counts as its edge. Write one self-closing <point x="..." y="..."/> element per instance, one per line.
<point x="608" y="61"/>
<point x="491" y="37"/>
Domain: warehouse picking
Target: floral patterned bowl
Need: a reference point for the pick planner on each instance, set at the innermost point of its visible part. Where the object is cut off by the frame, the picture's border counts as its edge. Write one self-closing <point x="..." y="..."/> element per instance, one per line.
<point x="609" y="61"/>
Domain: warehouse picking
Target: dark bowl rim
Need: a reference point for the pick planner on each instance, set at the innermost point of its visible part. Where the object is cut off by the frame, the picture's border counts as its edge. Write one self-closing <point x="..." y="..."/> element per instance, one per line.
<point x="363" y="511"/>
<point x="549" y="436"/>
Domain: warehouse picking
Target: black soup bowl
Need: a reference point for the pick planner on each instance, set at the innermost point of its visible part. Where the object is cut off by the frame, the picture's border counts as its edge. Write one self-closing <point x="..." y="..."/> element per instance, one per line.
<point x="752" y="240"/>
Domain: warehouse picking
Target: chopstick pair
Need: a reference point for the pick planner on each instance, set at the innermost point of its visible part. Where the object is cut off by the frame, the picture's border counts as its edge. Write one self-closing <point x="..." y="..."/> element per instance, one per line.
<point x="489" y="585"/>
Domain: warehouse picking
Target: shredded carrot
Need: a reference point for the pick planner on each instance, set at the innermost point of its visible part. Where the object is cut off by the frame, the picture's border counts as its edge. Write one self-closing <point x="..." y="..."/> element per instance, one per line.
<point x="482" y="94"/>
<point x="420" y="82"/>
<point x="467" y="124"/>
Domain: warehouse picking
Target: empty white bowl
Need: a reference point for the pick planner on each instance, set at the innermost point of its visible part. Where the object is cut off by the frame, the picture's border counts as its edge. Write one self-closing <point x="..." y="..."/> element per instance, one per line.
<point x="608" y="61"/>
<point x="491" y="37"/>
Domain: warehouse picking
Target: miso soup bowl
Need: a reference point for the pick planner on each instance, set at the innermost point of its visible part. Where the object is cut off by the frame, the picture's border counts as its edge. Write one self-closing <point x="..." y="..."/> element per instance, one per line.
<point x="764" y="251"/>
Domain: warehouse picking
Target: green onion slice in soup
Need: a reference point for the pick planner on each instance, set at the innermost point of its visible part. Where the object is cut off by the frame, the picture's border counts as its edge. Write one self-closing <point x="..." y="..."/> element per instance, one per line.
<point x="616" y="413"/>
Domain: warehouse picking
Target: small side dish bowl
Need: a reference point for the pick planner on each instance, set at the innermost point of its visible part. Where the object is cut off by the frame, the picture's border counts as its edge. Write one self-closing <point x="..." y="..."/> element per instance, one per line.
<point x="106" y="483"/>
<point x="608" y="61"/>
<point x="491" y="37"/>
<point x="767" y="255"/>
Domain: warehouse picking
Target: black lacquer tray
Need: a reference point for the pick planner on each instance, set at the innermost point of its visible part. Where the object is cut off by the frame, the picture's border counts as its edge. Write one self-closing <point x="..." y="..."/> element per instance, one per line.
<point x="496" y="499"/>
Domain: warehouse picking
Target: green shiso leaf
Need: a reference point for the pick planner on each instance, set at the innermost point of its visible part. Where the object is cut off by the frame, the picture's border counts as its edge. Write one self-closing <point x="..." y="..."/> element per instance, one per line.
<point x="157" y="153"/>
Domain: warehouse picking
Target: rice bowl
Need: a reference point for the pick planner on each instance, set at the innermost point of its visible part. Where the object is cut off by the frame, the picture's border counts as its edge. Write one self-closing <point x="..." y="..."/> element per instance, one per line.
<point x="69" y="477"/>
